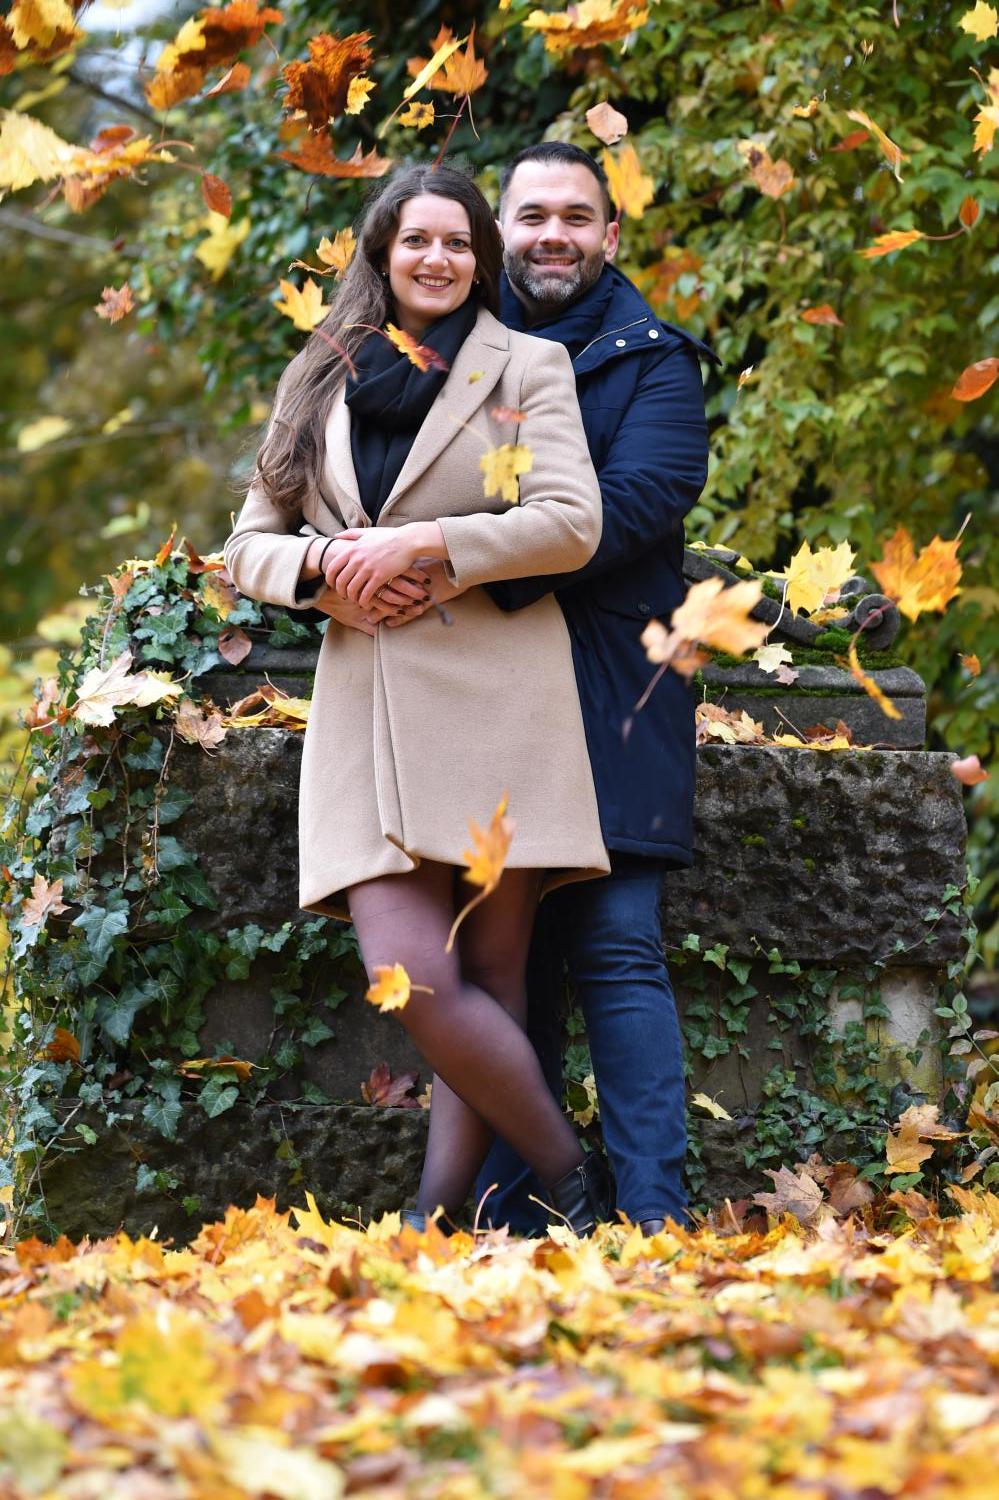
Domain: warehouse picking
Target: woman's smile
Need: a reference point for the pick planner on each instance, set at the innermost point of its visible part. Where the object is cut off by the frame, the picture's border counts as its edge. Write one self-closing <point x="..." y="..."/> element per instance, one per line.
<point x="431" y="264"/>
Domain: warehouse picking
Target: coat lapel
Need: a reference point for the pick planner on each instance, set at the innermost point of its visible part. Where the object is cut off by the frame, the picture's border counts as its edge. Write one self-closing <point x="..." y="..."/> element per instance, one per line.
<point x="484" y="355"/>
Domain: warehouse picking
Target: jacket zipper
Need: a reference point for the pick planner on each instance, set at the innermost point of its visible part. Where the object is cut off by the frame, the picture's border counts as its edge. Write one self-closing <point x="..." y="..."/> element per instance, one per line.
<point x="610" y="334"/>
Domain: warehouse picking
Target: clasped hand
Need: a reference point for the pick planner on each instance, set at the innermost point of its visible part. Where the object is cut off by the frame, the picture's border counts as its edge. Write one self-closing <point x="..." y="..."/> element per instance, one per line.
<point x="363" y="561"/>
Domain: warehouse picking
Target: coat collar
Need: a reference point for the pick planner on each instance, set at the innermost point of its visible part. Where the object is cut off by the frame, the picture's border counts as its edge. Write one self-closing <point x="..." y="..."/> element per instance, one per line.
<point x="480" y="363"/>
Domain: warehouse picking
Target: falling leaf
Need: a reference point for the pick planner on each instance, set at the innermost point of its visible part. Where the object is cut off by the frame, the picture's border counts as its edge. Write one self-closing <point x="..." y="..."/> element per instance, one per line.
<point x="806" y="111"/>
<point x="904" y="1152"/>
<point x="218" y="198"/>
<point x="769" y="658"/>
<point x="869" y="685"/>
<point x="211" y="39"/>
<point x="392" y="987"/>
<point x="459" y="73"/>
<point x="424" y="71"/>
<point x="197" y="727"/>
<point x="969" y="771"/>
<point x="485" y="860"/>
<point x="38" y="434"/>
<point x="103" y="689"/>
<point x="417" y="116"/>
<point x="116" y="303"/>
<point x="38" y="23"/>
<point x="315" y="154"/>
<point x="338" y="252"/>
<point x="319" y="88"/>
<point x="852" y="141"/>
<point x="744" y="377"/>
<point x="773" y="178"/>
<point x="895" y="239"/>
<point x="501" y="468"/>
<point x="606" y="123"/>
<point x="305" y="308"/>
<point x="982" y="22"/>
<point x="631" y="189"/>
<point x="794" y="1193"/>
<point x="420" y="355"/>
<point x="236" y="78"/>
<point x="44" y="899"/>
<point x="824" y="314"/>
<point x="165" y="551"/>
<point x="234" y="645"/>
<point x="588" y="24"/>
<point x="714" y="1109"/>
<point x="976" y="380"/>
<point x="64" y="1046"/>
<point x="31" y="152"/>
<point x="986" y="125"/>
<point x="893" y="154"/>
<point x="968" y="212"/>
<point x="927" y="582"/>
<point x="357" y="94"/>
<point x="388" y="1092"/>
<point x="971" y="664"/>
<point x="811" y="576"/>
<point x="718" y="616"/>
<point x="507" y="414"/>
<point x="219" y="246"/>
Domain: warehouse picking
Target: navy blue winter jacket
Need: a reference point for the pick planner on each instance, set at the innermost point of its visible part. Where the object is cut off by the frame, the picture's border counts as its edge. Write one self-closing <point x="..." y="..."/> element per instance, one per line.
<point x="640" y="392"/>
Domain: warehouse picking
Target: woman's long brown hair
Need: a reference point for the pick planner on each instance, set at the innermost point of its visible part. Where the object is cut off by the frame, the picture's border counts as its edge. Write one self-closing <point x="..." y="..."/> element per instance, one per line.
<point x="289" y="464"/>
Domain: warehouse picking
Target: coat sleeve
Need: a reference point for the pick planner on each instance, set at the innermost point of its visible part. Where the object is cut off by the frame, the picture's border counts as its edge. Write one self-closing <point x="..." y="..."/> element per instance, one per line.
<point x="556" y="526"/>
<point x="652" y="476"/>
<point x="264" y="553"/>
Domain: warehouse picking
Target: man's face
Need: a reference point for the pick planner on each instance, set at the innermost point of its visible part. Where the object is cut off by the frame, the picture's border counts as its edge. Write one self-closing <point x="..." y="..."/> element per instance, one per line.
<point x="556" y="239"/>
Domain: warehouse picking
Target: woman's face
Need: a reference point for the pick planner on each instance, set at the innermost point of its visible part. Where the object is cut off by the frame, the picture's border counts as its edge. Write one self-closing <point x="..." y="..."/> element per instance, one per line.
<point x="430" y="261"/>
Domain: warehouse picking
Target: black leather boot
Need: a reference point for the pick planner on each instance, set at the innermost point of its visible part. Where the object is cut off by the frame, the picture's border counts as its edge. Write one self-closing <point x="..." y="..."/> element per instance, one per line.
<point x="649" y="1227"/>
<point x="419" y="1221"/>
<point x="584" y="1197"/>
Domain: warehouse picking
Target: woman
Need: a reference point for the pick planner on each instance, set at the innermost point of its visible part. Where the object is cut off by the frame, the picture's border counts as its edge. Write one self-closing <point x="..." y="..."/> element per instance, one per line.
<point x="413" y="732"/>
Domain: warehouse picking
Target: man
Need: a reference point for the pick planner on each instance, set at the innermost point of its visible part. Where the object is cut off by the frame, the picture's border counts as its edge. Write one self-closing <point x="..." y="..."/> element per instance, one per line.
<point x="640" y="393"/>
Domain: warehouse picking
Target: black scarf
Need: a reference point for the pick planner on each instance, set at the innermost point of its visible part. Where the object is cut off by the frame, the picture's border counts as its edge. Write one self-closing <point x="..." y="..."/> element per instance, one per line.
<point x="574" y="326"/>
<point x="389" y="399"/>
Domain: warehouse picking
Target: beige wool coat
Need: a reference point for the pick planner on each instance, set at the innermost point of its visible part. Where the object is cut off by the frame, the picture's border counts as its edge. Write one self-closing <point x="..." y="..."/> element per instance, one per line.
<point x="425" y="726"/>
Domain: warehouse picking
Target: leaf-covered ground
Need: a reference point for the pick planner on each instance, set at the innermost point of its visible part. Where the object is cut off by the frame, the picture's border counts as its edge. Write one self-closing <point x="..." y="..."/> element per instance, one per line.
<point x="281" y="1356"/>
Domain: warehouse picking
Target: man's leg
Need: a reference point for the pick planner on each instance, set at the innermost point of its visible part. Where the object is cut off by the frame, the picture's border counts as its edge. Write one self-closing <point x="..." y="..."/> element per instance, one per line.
<point x="616" y="959"/>
<point x="516" y="1183"/>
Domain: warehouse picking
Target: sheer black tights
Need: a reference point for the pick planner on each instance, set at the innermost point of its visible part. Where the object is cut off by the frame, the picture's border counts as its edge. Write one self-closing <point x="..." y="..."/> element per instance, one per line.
<point x="470" y="1029"/>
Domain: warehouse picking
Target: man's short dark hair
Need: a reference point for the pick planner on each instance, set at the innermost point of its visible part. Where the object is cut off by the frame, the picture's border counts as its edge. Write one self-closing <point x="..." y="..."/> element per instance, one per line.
<point x="561" y="152"/>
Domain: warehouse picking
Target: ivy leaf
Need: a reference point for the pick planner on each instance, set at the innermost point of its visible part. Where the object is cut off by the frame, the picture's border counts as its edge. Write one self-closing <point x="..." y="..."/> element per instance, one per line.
<point x="164" y="1110"/>
<point x="217" y="1096"/>
<point x="101" y="925"/>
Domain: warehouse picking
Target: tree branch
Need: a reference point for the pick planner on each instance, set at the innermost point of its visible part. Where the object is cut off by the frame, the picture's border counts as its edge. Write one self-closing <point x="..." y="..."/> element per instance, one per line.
<point x="95" y="88"/>
<point x="28" y="225"/>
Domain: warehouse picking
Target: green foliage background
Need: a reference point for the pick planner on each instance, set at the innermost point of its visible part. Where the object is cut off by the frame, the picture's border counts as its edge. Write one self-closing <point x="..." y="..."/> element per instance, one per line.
<point x="840" y="432"/>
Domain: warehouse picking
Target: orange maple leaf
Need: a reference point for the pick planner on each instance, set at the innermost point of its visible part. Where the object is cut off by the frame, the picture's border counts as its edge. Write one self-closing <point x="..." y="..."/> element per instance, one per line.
<point x="485" y="860"/>
<point x="318" y="88"/>
<point x="63" y="1047"/>
<point x="905" y="1152"/>
<point x="315" y="154"/>
<point x="588" y="24"/>
<point x="116" y="303"/>
<point x="893" y="154"/>
<point x="392" y="987"/>
<point x="459" y="73"/>
<point x="824" y="313"/>
<point x="929" y="581"/>
<point x="420" y="355"/>
<point x="895" y="239"/>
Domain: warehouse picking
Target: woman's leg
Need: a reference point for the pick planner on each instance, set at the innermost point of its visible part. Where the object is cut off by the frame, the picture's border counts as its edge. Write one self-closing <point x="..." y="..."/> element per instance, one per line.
<point x="466" y="1036"/>
<point x="492" y="946"/>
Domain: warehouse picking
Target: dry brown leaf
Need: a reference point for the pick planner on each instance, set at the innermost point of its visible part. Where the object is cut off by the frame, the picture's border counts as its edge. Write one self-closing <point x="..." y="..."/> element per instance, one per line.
<point x="197" y="727"/>
<point x="976" y="380"/>
<point x="234" y="645"/>
<point x="794" y="1193"/>
<point x="420" y="355"/>
<point x="904" y="1152"/>
<point x="315" y="154"/>
<point x="968" y="212"/>
<point x="607" y="123"/>
<point x="64" y="1047"/>
<point x="116" y="303"/>
<point x="387" y="1092"/>
<point x="971" y="665"/>
<point x="236" y="78"/>
<point x="45" y="900"/>
<point x="216" y="194"/>
<point x="318" y="89"/>
<point x="824" y="314"/>
<point x="969" y="771"/>
<point x="456" y="72"/>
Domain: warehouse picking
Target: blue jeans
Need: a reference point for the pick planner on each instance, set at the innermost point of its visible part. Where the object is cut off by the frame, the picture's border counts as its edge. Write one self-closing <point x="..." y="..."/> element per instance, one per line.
<point x="609" y="933"/>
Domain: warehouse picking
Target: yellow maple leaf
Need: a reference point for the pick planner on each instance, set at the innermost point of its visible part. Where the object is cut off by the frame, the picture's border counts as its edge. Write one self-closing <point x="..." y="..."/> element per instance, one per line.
<point x="893" y="154"/>
<point x="986" y="125"/>
<point x="716" y="1110"/>
<point x="982" y="22"/>
<point x="810" y="576"/>
<point x="357" y="93"/>
<point x="222" y="241"/>
<point x="38" y="22"/>
<point x="304" y="307"/>
<point x="31" y="152"/>
<point x="432" y="65"/>
<point x="164" y="1362"/>
<point x="895" y="239"/>
<point x="905" y="1152"/>
<point x="869" y="686"/>
<point x="392" y="987"/>
<point x="417" y="116"/>
<point x="103" y="689"/>
<point x="588" y="24"/>
<point x="338" y="252"/>
<point x="631" y="189"/>
<point x="501" y="468"/>
<point x="720" y="617"/>
<point x="486" y="859"/>
<point x="928" y="581"/>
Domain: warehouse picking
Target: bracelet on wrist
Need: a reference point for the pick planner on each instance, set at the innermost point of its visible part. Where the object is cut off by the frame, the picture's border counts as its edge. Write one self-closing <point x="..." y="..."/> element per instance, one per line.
<point x="322" y="557"/>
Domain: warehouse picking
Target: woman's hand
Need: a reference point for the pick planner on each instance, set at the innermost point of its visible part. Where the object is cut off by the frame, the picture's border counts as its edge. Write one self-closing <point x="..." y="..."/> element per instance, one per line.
<point x="439" y="590"/>
<point x="363" y="561"/>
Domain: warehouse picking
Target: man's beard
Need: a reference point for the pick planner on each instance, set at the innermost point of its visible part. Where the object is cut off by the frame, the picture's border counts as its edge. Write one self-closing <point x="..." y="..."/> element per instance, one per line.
<point x="554" y="289"/>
